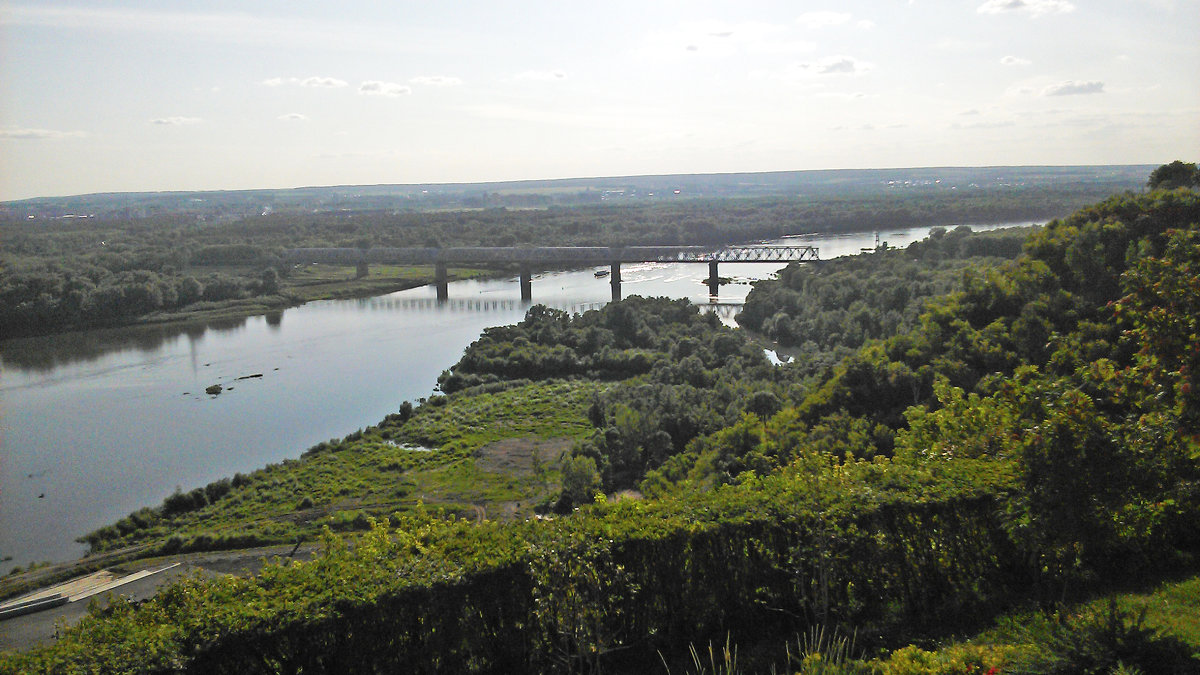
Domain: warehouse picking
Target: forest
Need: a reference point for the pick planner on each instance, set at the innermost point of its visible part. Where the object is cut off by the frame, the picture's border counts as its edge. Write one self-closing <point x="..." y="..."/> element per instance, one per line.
<point x="229" y="205"/>
<point x="80" y="273"/>
<point x="975" y="428"/>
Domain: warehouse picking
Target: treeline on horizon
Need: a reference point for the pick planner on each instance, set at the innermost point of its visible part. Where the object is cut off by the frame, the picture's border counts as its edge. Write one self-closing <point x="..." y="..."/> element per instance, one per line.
<point x="79" y="274"/>
<point x="1032" y="435"/>
<point x="225" y="205"/>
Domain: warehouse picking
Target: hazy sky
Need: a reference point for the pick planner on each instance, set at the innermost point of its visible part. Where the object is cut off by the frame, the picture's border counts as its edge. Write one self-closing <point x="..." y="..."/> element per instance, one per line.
<point x="118" y="96"/>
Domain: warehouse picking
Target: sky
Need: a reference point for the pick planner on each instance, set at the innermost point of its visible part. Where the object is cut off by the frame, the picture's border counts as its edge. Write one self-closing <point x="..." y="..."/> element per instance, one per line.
<point x="209" y="94"/>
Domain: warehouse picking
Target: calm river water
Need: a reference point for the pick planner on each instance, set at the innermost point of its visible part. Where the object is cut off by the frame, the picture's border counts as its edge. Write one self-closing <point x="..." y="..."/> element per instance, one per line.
<point x="96" y="425"/>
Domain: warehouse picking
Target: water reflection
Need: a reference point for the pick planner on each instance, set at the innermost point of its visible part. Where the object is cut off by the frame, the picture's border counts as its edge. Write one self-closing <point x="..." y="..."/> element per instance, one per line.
<point x="48" y="353"/>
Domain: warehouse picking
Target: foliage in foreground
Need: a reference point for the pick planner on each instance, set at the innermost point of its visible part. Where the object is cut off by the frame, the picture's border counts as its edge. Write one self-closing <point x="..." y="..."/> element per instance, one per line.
<point x="435" y="595"/>
<point x="1118" y="634"/>
<point x="1034" y="436"/>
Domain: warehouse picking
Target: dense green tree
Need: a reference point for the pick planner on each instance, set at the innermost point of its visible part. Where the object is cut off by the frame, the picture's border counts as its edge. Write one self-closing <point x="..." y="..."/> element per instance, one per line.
<point x="580" y="481"/>
<point x="1174" y="175"/>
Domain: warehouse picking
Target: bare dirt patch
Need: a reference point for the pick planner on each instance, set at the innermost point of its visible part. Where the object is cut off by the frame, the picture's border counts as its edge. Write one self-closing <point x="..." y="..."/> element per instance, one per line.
<point x="515" y="456"/>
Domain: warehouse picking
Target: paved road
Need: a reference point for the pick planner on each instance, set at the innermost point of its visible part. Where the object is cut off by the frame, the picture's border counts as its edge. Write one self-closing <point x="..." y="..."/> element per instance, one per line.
<point x="30" y="630"/>
<point x="38" y="628"/>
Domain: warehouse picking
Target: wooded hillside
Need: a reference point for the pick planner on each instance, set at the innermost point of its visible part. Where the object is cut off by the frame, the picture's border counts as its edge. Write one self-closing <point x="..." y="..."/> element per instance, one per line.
<point x="1029" y="436"/>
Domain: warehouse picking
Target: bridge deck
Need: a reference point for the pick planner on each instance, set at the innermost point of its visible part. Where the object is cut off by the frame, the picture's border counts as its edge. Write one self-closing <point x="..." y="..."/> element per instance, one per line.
<point x="583" y="255"/>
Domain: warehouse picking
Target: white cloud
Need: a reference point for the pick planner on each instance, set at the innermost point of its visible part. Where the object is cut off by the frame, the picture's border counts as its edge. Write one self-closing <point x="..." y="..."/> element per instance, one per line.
<point x="1015" y="61"/>
<point x="540" y="76"/>
<point x="314" y="81"/>
<point x="1033" y="8"/>
<point x="39" y="134"/>
<point x="1072" y="88"/>
<point x="822" y="19"/>
<point x="176" y="121"/>
<point x="378" y="88"/>
<point x="293" y="117"/>
<point x="837" y="65"/>
<point x="436" y="81"/>
<point x="810" y="70"/>
<point x="322" y="82"/>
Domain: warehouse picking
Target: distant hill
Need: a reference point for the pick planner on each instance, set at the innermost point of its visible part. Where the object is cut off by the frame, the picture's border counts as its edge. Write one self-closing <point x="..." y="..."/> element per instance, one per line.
<point x="848" y="183"/>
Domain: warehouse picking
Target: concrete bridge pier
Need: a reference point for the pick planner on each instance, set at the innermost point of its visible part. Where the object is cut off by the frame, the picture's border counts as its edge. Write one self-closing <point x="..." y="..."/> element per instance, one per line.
<point x="615" y="280"/>
<point x="526" y="284"/>
<point x="714" y="280"/>
<point x="439" y="280"/>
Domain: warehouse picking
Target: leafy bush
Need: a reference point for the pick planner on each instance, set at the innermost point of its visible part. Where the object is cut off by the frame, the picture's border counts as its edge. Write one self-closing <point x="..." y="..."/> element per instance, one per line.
<point x="963" y="659"/>
<point x="1098" y="642"/>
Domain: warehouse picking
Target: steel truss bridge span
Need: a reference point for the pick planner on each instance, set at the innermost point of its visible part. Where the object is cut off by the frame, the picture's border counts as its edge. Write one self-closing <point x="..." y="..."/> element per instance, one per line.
<point x="587" y="255"/>
<point x="532" y="257"/>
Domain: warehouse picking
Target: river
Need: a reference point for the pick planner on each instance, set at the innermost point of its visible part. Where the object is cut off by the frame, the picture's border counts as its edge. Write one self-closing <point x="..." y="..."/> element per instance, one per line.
<point x="95" y="425"/>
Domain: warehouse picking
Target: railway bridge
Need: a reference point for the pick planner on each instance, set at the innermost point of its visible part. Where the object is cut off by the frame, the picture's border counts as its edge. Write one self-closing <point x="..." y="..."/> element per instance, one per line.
<point x="540" y="257"/>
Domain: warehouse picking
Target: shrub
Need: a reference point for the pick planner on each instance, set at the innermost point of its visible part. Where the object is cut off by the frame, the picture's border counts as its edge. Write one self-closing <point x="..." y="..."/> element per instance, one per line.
<point x="182" y="502"/>
<point x="217" y="489"/>
<point x="1100" y="641"/>
<point x="953" y="660"/>
<point x="406" y="411"/>
<point x="316" y="449"/>
<point x="580" y="480"/>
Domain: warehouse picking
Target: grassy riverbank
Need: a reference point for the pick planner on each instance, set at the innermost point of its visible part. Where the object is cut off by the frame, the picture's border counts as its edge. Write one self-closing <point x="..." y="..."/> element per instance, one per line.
<point x="494" y="455"/>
